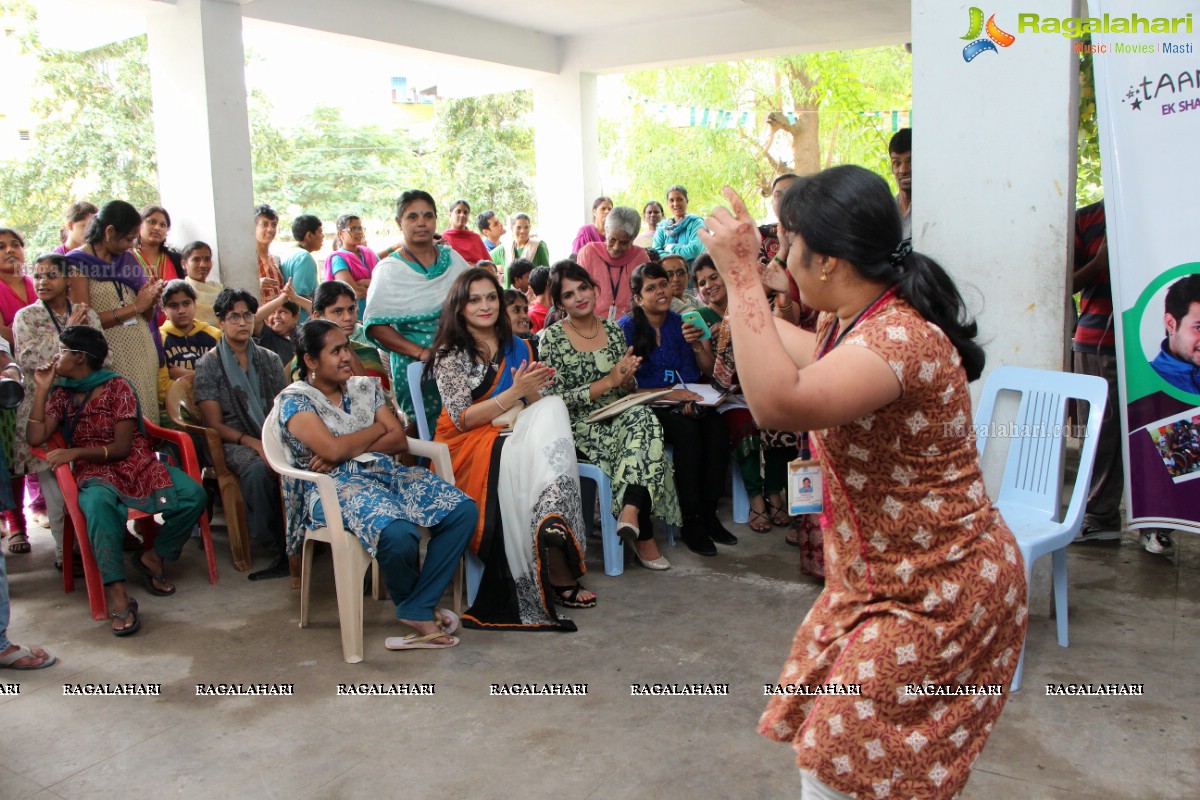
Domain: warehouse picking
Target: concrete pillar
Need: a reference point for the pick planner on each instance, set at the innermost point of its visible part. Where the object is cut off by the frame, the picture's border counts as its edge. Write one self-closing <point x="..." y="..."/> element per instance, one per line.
<point x="567" y="152"/>
<point x="994" y="156"/>
<point x="202" y="131"/>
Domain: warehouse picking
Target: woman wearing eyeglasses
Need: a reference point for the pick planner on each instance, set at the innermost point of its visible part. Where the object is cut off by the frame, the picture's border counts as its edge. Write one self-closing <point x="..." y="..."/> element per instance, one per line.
<point x="35" y="333"/>
<point x="236" y="385"/>
<point x="116" y="469"/>
<point x="351" y="260"/>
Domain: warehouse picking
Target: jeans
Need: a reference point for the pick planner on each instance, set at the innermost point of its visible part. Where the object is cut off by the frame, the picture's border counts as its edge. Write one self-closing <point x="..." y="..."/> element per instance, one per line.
<point x="416" y="591"/>
<point x="1108" y="475"/>
<point x="4" y="607"/>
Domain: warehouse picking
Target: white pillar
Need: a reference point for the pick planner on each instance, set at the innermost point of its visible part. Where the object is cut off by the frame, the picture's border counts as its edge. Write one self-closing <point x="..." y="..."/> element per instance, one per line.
<point x="566" y="149"/>
<point x="202" y="131"/>
<point x="994" y="156"/>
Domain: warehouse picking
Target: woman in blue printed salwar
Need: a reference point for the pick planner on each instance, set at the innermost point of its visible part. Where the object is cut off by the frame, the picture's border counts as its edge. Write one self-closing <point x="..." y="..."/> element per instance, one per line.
<point x="336" y="423"/>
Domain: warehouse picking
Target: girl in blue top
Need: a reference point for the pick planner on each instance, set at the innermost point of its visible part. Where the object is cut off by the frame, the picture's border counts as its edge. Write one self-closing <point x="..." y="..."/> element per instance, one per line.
<point x="680" y="235"/>
<point x="673" y="354"/>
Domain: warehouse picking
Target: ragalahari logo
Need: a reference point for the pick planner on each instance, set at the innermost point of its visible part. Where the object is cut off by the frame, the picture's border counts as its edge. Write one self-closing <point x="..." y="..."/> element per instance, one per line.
<point x="995" y="36"/>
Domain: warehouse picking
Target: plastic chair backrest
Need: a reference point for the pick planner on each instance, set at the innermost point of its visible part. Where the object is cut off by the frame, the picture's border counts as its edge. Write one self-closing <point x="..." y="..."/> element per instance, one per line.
<point x="1033" y="472"/>
<point x="414" y="390"/>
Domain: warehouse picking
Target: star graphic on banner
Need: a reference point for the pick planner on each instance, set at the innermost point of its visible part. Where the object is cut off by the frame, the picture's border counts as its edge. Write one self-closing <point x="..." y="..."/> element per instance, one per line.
<point x="1136" y="105"/>
<point x="1130" y="93"/>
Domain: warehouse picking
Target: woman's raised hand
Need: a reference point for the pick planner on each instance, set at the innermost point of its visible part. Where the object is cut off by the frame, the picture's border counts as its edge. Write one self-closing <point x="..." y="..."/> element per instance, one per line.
<point x="78" y="315"/>
<point x="623" y="371"/>
<point x="529" y="378"/>
<point x="733" y="241"/>
<point x="43" y="376"/>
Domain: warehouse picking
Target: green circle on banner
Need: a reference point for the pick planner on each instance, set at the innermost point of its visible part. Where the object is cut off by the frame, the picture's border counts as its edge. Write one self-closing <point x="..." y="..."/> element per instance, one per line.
<point x="1141" y="379"/>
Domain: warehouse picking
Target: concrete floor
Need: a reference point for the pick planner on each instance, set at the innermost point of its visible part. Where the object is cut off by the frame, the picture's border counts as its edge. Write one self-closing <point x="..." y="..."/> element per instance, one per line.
<point x="1135" y="618"/>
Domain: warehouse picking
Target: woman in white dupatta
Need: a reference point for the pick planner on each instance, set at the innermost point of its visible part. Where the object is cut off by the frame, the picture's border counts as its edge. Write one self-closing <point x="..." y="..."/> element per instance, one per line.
<point x="406" y="294"/>
<point x="530" y="531"/>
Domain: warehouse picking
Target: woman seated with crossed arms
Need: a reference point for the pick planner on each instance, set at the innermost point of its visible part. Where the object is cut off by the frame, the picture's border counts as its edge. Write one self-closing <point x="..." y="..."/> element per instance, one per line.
<point x="335" y="422"/>
<point x="530" y="533"/>
<point x="115" y="467"/>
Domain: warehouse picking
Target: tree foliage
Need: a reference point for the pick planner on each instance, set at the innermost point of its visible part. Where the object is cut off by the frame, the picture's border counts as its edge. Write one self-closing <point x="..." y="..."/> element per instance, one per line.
<point x="831" y="98"/>
<point x="484" y="147"/>
<point x="1089" y="185"/>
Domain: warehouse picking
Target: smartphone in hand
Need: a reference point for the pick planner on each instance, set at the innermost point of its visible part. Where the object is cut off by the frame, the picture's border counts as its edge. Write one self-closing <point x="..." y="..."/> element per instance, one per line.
<point x="693" y="318"/>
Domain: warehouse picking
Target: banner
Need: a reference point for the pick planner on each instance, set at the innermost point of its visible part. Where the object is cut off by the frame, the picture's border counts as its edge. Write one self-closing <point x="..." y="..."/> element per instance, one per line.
<point x="1148" y="102"/>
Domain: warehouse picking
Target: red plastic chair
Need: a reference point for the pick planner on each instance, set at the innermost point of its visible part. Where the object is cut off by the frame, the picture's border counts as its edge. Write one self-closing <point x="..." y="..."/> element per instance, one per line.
<point x="74" y="520"/>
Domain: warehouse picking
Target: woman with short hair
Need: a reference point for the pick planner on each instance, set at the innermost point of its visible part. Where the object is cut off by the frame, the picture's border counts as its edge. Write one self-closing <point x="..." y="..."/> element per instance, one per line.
<point x="101" y="420"/>
<point x="924" y="583"/>
<point x="334" y="422"/>
<point x="351" y="260"/>
<point x="270" y="268"/>
<point x="611" y="263"/>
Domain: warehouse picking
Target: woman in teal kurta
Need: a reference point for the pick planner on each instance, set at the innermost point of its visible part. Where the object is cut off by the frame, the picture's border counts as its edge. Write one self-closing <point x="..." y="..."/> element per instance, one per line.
<point x="406" y="294"/>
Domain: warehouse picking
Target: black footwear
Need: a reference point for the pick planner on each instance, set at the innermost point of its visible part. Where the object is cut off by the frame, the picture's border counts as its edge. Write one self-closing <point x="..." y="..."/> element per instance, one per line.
<point x="697" y="539"/>
<point x="717" y="532"/>
<point x="279" y="569"/>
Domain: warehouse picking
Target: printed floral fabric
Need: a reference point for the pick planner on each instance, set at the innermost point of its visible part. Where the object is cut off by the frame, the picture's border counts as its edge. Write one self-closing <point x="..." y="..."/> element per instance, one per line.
<point x="924" y="584"/>
<point x="372" y="494"/>
<point x="629" y="447"/>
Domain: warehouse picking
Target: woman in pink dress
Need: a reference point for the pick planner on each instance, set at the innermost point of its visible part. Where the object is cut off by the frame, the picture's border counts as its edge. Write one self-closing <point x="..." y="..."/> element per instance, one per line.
<point x="16" y="292"/>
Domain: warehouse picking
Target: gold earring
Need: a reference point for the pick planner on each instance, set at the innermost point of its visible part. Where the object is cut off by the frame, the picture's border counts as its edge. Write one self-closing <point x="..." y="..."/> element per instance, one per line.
<point x="824" y="275"/>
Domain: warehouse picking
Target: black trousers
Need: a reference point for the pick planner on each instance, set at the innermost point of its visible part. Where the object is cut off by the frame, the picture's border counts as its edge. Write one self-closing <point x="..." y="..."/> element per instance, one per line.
<point x="701" y="447"/>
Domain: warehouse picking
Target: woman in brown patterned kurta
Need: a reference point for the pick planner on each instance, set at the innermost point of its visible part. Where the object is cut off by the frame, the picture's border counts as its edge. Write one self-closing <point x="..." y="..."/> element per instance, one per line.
<point x="924" y="582"/>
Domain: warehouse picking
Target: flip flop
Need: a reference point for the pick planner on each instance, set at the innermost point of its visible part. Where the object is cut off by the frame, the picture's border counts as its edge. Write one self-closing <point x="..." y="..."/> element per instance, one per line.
<point x="151" y="576"/>
<point x="9" y="661"/>
<point x="416" y="641"/>
<point x="442" y="615"/>
<point x="132" y="608"/>
<point x="18" y="547"/>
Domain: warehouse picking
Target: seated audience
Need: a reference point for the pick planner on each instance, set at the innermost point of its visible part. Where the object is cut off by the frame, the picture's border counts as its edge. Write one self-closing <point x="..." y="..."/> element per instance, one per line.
<point x="35" y="333"/>
<point x="185" y="338"/>
<point x="530" y="533"/>
<point x="611" y="263"/>
<point x="336" y="301"/>
<point x="235" y="389"/>
<point x="593" y="366"/>
<point x="673" y="354"/>
<point x="276" y="320"/>
<point x="679" y="235"/>
<point x="101" y="420"/>
<point x="518" y="275"/>
<point x="334" y="422"/>
<point x="594" y="231"/>
<point x="761" y="456"/>
<point x="682" y="298"/>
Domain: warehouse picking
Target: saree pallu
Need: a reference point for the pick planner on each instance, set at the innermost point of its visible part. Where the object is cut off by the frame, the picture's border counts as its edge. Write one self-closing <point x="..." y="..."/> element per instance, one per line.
<point x="526" y="485"/>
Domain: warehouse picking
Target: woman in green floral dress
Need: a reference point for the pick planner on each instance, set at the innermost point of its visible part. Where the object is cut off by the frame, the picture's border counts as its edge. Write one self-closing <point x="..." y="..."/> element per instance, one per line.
<point x="593" y="367"/>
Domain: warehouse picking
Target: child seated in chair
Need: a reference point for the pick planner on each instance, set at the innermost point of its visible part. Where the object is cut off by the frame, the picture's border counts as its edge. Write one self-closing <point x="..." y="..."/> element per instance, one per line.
<point x="184" y="337"/>
<point x="101" y="420"/>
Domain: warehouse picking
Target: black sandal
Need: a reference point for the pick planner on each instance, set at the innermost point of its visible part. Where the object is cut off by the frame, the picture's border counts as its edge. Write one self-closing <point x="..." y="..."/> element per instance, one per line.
<point x="757" y="520"/>
<point x="566" y="596"/>
<point x="151" y="576"/>
<point x="132" y="608"/>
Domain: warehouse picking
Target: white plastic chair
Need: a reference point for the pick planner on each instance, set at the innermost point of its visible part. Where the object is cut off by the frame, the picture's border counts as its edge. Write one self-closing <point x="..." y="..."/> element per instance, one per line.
<point x="350" y="560"/>
<point x="1030" y="496"/>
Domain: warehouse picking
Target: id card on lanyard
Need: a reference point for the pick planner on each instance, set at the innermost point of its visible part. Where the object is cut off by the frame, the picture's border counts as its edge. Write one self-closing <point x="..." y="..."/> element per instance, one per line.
<point x="806" y="493"/>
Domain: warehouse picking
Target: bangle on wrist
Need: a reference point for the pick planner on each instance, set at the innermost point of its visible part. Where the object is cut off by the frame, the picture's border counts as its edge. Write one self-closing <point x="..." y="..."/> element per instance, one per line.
<point x="240" y="437"/>
<point x="105" y="449"/>
<point x="502" y="408"/>
<point x="780" y="260"/>
<point x="782" y="308"/>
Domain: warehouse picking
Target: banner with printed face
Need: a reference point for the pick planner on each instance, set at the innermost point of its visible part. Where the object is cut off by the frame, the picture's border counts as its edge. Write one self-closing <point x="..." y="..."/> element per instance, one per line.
<point x="1147" y="72"/>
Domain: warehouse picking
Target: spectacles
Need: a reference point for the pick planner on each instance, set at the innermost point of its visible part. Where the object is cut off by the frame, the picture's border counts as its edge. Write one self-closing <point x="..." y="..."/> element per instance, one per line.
<point x="63" y="350"/>
<point x="355" y="229"/>
<point x="675" y="273"/>
<point x="239" y="316"/>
